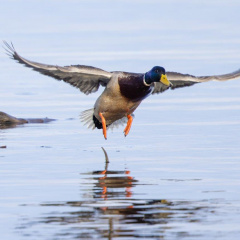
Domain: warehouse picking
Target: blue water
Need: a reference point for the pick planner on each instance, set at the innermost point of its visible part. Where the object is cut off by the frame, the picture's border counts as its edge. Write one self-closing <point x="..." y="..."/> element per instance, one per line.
<point x="175" y="176"/>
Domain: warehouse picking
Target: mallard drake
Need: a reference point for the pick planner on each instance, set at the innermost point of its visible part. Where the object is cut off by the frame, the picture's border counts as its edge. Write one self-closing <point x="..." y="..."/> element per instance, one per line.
<point x="124" y="91"/>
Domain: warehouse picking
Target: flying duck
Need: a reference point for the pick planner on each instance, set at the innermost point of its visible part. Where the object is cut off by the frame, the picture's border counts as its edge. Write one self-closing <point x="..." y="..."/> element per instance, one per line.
<point x="124" y="91"/>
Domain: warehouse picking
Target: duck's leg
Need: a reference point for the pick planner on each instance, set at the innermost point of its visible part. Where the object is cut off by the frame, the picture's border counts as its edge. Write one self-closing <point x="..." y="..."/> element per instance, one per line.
<point x="129" y="124"/>
<point x="103" y="125"/>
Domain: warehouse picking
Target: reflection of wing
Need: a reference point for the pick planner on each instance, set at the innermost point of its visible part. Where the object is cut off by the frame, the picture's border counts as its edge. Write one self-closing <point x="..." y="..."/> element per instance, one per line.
<point x="86" y="78"/>
<point x="180" y="80"/>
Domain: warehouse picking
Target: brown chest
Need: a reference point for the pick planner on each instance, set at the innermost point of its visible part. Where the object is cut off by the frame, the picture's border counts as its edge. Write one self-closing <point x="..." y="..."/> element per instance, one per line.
<point x="133" y="88"/>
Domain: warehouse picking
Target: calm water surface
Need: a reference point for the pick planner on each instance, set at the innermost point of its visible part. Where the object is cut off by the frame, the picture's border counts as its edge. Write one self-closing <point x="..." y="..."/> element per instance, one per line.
<point x="176" y="176"/>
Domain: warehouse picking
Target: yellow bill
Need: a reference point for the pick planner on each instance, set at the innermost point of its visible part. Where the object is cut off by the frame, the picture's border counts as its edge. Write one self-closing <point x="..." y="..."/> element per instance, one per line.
<point x="164" y="80"/>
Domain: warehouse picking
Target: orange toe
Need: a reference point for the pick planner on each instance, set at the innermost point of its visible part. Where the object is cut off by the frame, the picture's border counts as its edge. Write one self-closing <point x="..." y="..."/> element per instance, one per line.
<point x="129" y="124"/>
<point x="103" y="125"/>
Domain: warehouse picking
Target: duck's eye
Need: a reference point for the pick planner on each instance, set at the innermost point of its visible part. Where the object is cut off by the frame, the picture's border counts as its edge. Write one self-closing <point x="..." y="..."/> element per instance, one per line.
<point x="156" y="71"/>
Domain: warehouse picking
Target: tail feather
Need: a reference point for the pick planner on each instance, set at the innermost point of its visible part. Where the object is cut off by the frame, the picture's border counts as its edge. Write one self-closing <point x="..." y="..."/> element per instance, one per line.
<point x="87" y="118"/>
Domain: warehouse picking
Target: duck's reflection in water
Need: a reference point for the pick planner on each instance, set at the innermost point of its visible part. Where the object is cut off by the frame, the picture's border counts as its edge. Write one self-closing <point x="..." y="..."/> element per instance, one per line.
<point x="110" y="184"/>
<point x="111" y="212"/>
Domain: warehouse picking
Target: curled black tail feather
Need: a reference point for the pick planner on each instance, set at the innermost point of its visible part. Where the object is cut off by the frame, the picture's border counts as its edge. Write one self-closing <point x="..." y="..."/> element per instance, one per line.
<point x="97" y="123"/>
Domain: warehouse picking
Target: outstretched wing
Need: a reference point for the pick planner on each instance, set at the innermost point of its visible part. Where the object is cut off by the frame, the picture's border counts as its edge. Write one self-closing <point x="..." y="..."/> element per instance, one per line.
<point x="180" y="80"/>
<point x="86" y="78"/>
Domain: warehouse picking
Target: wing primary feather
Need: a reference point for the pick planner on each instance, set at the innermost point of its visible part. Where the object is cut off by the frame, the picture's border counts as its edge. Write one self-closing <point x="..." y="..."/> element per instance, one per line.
<point x="180" y="80"/>
<point x="85" y="78"/>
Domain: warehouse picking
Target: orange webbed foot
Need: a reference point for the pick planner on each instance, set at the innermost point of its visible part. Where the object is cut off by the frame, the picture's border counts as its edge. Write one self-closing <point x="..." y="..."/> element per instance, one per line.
<point x="103" y="125"/>
<point x="129" y="124"/>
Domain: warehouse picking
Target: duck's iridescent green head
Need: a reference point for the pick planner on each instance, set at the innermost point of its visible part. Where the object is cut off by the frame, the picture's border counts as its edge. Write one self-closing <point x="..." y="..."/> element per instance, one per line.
<point x="156" y="74"/>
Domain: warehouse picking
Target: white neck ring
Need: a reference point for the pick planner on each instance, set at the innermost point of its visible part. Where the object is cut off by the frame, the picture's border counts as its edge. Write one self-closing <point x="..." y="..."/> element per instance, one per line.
<point x="144" y="82"/>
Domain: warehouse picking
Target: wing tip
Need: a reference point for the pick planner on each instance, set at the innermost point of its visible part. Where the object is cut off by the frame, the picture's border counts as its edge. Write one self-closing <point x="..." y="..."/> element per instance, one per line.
<point x="10" y="50"/>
